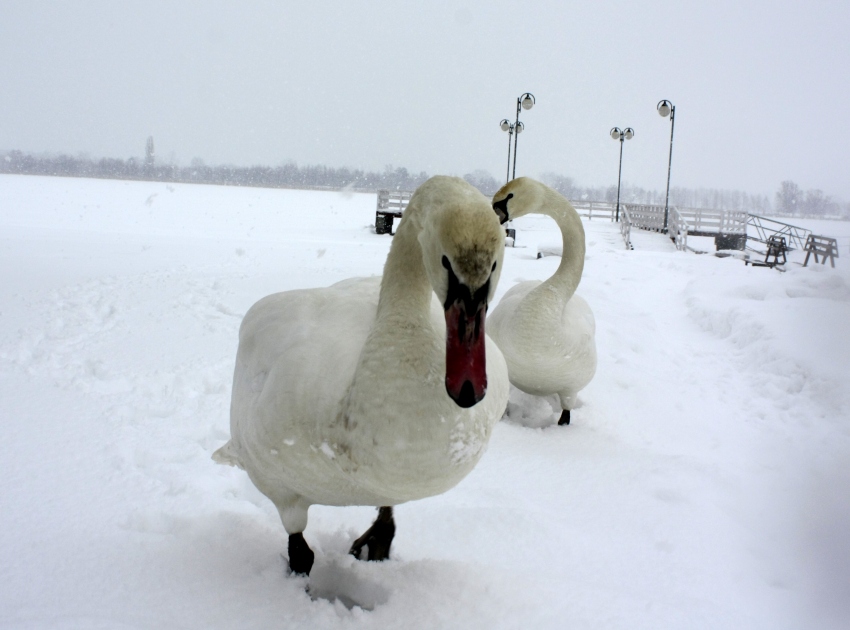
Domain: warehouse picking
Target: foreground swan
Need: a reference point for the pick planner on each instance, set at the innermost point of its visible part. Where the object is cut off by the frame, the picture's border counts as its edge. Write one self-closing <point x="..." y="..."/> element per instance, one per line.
<point x="545" y="331"/>
<point x="375" y="391"/>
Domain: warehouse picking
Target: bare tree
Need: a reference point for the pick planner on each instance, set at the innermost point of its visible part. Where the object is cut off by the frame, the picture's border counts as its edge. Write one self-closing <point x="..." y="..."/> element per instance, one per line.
<point x="788" y="198"/>
<point x="149" y="154"/>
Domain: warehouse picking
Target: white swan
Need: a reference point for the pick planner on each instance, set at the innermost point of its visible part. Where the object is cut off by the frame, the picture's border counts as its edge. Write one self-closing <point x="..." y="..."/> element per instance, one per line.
<point x="544" y="330"/>
<point x="375" y="391"/>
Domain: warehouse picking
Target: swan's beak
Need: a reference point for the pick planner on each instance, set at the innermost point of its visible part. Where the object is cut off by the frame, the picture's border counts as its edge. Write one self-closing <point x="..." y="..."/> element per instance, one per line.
<point x="466" y="365"/>
<point x="501" y="209"/>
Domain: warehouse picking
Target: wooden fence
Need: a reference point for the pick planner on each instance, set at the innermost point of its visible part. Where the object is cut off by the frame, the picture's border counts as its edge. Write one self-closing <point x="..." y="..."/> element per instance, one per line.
<point x="707" y="222"/>
<point x="596" y="209"/>
<point x="678" y="229"/>
<point x="730" y="225"/>
<point x="626" y="227"/>
<point x="645" y="216"/>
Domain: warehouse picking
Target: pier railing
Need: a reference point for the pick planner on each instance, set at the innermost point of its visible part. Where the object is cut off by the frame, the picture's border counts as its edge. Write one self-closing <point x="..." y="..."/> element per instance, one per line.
<point x="626" y="227"/>
<point x="678" y="228"/>
<point x="731" y="228"/>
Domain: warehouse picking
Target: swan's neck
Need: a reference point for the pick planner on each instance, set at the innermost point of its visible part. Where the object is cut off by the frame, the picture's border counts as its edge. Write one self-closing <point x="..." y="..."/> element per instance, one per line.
<point x="566" y="278"/>
<point x="405" y="288"/>
<point x="403" y="340"/>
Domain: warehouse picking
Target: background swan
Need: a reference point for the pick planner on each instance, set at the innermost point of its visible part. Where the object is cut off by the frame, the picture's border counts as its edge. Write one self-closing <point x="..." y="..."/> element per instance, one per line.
<point x="545" y="331"/>
<point x="375" y="391"/>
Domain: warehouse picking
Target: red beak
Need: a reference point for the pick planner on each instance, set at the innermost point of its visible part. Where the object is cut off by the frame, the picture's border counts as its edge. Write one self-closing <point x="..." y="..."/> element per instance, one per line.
<point x="466" y="364"/>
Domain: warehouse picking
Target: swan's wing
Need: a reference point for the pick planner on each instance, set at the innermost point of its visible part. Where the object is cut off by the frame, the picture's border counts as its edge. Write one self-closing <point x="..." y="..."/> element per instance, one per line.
<point x="297" y="355"/>
<point x="500" y="321"/>
<point x="579" y="326"/>
<point x="520" y="290"/>
<point x="578" y="318"/>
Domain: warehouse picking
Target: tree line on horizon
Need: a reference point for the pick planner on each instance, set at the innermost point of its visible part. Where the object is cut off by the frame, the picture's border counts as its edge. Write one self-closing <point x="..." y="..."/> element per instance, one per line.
<point x="288" y="175"/>
<point x="790" y="199"/>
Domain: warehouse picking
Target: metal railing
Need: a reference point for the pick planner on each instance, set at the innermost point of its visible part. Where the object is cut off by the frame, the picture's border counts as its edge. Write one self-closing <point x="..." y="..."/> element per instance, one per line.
<point x="764" y="228"/>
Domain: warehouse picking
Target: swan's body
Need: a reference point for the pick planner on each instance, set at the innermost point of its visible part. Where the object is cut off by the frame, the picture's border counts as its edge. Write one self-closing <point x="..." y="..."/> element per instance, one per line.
<point x="352" y="394"/>
<point x="545" y="331"/>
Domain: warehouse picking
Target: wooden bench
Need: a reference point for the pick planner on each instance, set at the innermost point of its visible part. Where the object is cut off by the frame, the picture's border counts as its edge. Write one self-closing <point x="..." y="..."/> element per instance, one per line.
<point x="823" y="246"/>
<point x="776" y="248"/>
<point x="384" y="221"/>
<point x="391" y="205"/>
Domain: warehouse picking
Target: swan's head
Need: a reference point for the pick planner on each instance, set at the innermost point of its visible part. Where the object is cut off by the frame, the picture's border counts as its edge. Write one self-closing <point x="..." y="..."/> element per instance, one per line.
<point x="463" y="247"/>
<point x="518" y="197"/>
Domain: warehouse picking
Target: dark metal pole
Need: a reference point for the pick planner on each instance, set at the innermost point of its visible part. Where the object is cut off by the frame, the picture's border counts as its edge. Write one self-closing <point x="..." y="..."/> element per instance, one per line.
<point x="508" y="174"/>
<point x="669" y="164"/>
<point x="516" y="131"/>
<point x="619" y="176"/>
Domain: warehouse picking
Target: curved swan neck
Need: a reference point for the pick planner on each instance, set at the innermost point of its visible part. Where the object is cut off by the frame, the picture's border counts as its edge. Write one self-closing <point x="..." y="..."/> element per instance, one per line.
<point x="568" y="275"/>
<point x="405" y="284"/>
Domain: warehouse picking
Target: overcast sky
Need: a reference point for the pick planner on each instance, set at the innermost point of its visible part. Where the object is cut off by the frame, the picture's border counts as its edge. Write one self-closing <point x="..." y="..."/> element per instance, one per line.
<point x="760" y="87"/>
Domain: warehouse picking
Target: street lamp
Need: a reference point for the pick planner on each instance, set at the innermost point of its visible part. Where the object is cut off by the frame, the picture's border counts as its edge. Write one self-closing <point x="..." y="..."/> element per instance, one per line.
<point x="508" y="126"/>
<point x="526" y="101"/>
<point x="626" y="134"/>
<point x="666" y="108"/>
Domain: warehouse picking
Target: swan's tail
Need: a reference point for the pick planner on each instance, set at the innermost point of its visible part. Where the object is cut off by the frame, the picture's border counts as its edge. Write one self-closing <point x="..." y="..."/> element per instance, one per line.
<point x="227" y="455"/>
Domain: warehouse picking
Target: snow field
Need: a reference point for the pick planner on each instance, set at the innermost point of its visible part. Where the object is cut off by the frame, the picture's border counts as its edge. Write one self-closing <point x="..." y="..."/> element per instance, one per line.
<point x="702" y="483"/>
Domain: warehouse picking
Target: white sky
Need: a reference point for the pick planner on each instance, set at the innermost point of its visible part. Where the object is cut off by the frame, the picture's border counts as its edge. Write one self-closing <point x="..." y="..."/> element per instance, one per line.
<point x="761" y="88"/>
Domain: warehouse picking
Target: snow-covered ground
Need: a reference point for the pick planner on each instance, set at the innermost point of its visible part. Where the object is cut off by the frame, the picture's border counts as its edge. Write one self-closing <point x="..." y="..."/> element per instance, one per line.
<point x="704" y="481"/>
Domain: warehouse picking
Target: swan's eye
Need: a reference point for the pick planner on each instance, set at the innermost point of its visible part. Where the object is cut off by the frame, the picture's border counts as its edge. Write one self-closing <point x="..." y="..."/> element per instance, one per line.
<point x="493" y="268"/>
<point x="446" y="263"/>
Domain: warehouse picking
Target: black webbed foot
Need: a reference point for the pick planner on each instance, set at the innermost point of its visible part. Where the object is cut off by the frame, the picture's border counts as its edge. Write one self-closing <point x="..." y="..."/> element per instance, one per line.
<point x="565" y="417"/>
<point x="300" y="555"/>
<point x="377" y="538"/>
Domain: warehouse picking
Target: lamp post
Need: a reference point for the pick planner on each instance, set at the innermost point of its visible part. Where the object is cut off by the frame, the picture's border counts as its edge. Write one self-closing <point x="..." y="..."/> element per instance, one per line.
<point x="626" y="134"/>
<point x="666" y="108"/>
<point x="508" y="126"/>
<point x="526" y="101"/>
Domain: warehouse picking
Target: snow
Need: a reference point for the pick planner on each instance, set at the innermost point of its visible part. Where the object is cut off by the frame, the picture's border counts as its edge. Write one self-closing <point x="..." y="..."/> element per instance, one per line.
<point x="703" y="482"/>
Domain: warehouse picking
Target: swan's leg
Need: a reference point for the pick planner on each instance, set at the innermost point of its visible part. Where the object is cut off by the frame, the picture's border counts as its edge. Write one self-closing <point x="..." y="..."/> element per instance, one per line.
<point x="377" y="538"/>
<point x="300" y="555"/>
<point x="568" y="401"/>
<point x="293" y="514"/>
